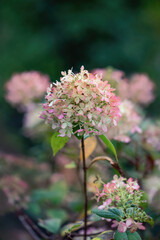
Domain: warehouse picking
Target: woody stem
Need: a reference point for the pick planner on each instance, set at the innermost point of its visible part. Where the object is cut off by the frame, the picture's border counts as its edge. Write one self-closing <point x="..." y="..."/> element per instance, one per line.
<point x="84" y="188"/>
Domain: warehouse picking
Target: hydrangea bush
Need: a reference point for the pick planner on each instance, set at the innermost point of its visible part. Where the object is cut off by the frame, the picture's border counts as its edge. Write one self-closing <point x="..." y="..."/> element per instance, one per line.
<point x="103" y="103"/>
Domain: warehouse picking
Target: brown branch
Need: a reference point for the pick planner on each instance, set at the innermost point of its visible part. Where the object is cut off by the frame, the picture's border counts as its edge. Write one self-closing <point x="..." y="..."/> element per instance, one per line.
<point x="28" y="228"/>
<point x="85" y="188"/>
<point x="113" y="164"/>
<point x="31" y="227"/>
<point x="81" y="235"/>
<point x="78" y="172"/>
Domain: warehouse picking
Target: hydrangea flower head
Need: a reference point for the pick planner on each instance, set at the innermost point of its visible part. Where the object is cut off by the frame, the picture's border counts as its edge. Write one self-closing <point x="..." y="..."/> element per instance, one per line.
<point x="24" y="88"/>
<point x="81" y="104"/>
<point x="125" y="195"/>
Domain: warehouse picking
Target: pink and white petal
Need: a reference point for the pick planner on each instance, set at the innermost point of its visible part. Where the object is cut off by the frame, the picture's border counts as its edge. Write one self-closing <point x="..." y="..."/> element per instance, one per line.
<point x="129" y="222"/>
<point x="122" y="227"/>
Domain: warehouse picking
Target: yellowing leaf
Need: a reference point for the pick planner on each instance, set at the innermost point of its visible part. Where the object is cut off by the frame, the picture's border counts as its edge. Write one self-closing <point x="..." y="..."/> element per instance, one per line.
<point x="89" y="145"/>
<point x="107" y="235"/>
<point x="71" y="227"/>
<point x="93" y="182"/>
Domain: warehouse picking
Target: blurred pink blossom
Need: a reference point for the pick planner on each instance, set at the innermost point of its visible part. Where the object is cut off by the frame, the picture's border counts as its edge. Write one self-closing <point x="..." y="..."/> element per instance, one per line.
<point x="14" y="188"/>
<point x="33" y="126"/>
<point x="128" y="124"/>
<point x="26" y="87"/>
<point x="151" y="137"/>
<point x="141" y="89"/>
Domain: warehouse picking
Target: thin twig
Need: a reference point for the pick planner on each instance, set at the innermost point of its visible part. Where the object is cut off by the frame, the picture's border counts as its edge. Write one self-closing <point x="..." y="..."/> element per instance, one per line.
<point x="31" y="227"/>
<point x="81" y="235"/>
<point x="78" y="172"/>
<point x="28" y="228"/>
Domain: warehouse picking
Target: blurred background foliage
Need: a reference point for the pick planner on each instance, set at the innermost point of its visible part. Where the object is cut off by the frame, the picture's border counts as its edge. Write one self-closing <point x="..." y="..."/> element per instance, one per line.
<point x="50" y="36"/>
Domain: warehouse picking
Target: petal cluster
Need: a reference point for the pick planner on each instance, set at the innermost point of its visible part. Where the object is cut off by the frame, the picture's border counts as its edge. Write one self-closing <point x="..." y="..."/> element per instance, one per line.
<point x="81" y="104"/>
<point x="112" y="190"/>
<point x="129" y="224"/>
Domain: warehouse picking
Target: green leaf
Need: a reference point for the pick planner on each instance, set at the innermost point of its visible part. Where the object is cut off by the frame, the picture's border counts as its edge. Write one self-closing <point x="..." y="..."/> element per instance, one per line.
<point x="51" y="225"/>
<point x="59" y="191"/>
<point x="133" y="236"/>
<point x="120" y="236"/>
<point x="112" y="213"/>
<point x="117" y="212"/>
<point x="57" y="142"/>
<point x="34" y="209"/>
<point x="54" y="195"/>
<point x="70" y="165"/>
<point x="57" y="213"/>
<point x="150" y="221"/>
<point x="109" y="145"/>
<point x="71" y="227"/>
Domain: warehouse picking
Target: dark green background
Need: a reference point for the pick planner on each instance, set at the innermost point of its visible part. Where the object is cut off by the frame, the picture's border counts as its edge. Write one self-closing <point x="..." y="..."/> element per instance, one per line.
<point x="51" y="36"/>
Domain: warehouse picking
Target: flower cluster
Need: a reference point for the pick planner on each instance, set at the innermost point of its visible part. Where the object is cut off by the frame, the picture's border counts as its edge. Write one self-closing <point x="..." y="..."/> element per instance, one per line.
<point x="26" y="87"/>
<point x="81" y="104"/>
<point x="124" y="195"/>
<point x="14" y="189"/>
<point x="129" y="123"/>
